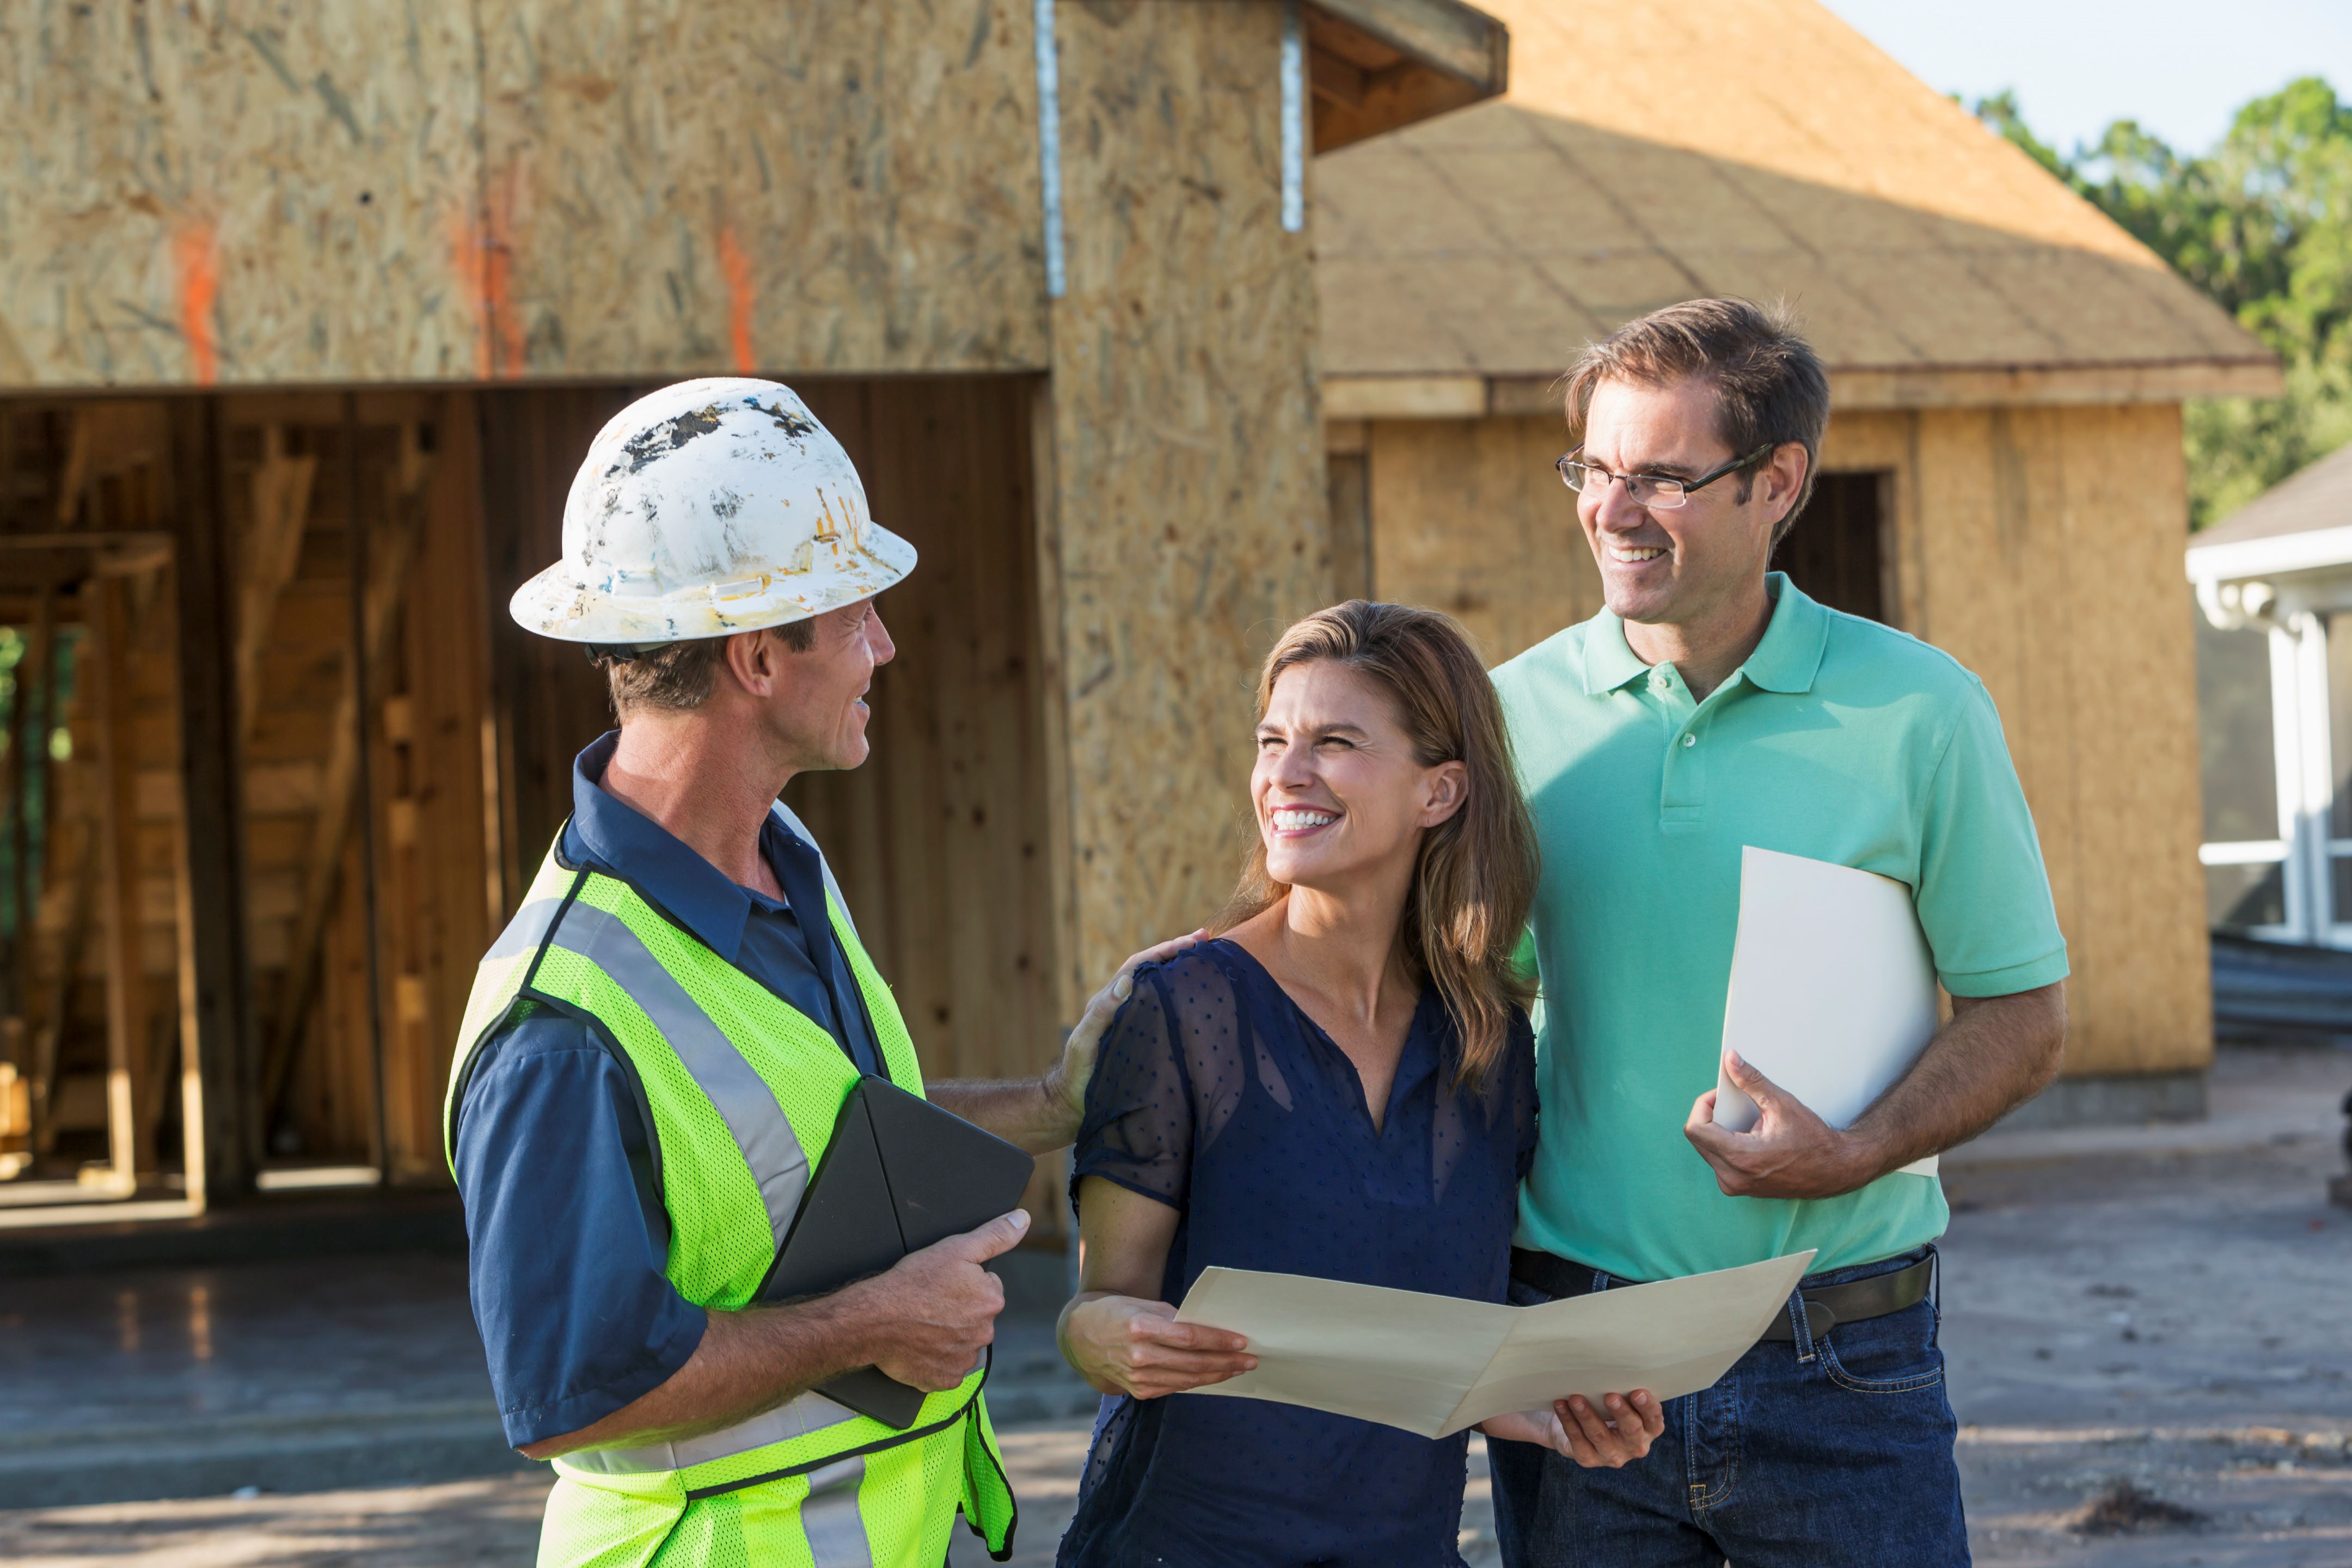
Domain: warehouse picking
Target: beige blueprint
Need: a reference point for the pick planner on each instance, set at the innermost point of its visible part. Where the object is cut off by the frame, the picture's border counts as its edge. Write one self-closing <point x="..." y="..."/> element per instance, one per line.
<point x="1436" y="1364"/>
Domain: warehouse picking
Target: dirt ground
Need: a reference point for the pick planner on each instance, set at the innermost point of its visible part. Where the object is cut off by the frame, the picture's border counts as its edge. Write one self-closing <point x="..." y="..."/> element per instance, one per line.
<point x="2148" y="1352"/>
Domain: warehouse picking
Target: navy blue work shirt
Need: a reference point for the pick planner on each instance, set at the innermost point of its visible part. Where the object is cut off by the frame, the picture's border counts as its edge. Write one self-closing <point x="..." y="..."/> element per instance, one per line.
<point x="567" y="1235"/>
<point x="1216" y="1094"/>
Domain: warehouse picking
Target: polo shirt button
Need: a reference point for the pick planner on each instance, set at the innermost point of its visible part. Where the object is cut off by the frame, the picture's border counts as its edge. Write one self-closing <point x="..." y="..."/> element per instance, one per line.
<point x="1690" y="739"/>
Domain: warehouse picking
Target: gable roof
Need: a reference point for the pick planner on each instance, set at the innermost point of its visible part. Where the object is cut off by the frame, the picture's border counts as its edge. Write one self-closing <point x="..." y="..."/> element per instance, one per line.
<point x="2302" y="523"/>
<point x="1651" y="151"/>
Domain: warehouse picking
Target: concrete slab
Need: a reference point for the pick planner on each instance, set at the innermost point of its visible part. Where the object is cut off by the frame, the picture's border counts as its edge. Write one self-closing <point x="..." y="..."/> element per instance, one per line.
<point x="309" y="1374"/>
<point x="2256" y="1096"/>
<point x="2141" y="1309"/>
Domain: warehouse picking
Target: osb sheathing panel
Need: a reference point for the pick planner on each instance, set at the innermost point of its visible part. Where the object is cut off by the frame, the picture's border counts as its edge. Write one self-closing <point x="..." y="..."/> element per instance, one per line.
<point x="1186" y="525"/>
<point x="814" y="187"/>
<point x="236" y="192"/>
<point x="2039" y="547"/>
<point x="1501" y="237"/>
<point x="1469" y="516"/>
<point x="277" y="192"/>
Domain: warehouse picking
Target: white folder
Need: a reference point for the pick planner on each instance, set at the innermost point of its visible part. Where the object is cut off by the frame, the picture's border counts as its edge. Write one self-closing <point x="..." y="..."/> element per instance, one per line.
<point x="1833" y="988"/>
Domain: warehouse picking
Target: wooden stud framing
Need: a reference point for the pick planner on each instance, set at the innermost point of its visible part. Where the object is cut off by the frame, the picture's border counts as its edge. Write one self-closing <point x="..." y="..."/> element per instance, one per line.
<point x="130" y="1089"/>
<point x="219" y="1081"/>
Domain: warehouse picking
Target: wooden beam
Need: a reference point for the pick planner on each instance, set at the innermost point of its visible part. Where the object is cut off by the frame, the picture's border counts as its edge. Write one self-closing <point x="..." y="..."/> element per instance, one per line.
<point x="1336" y="78"/>
<point x="28" y="750"/>
<point x="2009" y="386"/>
<point x="50" y="1028"/>
<point x="106" y="440"/>
<point x="1443" y="35"/>
<point x="128" y="1090"/>
<point x="219" y="1081"/>
<point x="1378" y="65"/>
<point x="273" y="548"/>
<point x="1440" y="395"/>
<point x="1404" y="397"/>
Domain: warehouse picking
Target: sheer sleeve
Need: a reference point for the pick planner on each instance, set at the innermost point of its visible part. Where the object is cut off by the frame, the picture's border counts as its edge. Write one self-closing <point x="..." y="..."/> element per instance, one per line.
<point x="1138" y="1130"/>
<point x="1521" y="1064"/>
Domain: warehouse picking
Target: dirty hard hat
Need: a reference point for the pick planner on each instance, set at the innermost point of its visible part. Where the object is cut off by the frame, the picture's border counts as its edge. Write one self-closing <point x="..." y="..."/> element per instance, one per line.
<point x="704" y="509"/>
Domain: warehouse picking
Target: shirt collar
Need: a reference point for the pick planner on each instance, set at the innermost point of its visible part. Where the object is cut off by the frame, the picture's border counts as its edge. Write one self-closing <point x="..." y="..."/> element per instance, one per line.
<point x="639" y="850"/>
<point x="1790" y="654"/>
<point x="1785" y="659"/>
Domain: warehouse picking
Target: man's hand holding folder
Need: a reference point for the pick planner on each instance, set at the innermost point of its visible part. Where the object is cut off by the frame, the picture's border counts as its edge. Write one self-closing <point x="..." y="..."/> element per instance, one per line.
<point x="932" y="1314"/>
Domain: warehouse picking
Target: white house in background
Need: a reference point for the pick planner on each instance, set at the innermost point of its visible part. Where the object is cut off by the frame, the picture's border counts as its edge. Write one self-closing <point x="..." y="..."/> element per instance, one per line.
<point x="2275" y="688"/>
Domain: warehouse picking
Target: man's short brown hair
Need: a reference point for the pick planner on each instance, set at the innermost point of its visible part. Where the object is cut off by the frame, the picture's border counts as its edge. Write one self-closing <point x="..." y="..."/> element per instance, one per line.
<point x="678" y="677"/>
<point x="1769" y="383"/>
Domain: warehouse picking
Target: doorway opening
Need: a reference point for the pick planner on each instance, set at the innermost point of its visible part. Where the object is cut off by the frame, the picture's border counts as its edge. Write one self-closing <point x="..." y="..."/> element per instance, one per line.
<point x="1836" y="551"/>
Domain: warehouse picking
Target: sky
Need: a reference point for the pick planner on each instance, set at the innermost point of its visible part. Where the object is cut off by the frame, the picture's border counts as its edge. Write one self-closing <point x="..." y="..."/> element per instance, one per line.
<point x="2180" y="68"/>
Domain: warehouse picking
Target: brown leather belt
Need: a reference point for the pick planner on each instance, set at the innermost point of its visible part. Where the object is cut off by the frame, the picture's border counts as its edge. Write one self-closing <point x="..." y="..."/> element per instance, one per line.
<point x="1826" y="1306"/>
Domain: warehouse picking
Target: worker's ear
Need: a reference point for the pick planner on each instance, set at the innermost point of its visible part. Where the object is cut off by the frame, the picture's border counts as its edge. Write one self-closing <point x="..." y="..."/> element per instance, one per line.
<point x="754" y="661"/>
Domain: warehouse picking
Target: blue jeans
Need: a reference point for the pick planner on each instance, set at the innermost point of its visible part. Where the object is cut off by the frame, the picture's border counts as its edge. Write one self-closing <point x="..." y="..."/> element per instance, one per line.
<point x="1812" y="1455"/>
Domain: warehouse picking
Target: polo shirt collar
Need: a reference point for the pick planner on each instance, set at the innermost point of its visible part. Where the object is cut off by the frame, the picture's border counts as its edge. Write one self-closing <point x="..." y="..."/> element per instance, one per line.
<point x="1785" y="659"/>
<point x="1610" y="660"/>
<point x="1790" y="654"/>
<point x="687" y="887"/>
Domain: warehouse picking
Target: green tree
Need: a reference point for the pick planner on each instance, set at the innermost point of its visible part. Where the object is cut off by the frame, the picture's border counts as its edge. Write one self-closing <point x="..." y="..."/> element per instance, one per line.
<point x="2263" y="225"/>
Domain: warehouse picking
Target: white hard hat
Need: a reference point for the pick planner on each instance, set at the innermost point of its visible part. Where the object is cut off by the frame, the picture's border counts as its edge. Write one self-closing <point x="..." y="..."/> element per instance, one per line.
<point x="709" y="508"/>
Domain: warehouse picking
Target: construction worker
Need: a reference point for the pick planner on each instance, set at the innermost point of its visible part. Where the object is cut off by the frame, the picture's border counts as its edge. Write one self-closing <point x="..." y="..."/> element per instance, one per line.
<point x="659" y="1044"/>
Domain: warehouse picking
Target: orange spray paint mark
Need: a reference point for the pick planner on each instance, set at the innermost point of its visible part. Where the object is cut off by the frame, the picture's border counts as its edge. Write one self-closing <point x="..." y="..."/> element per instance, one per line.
<point x="482" y="253"/>
<point x="195" y="257"/>
<point x="736" y="267"/>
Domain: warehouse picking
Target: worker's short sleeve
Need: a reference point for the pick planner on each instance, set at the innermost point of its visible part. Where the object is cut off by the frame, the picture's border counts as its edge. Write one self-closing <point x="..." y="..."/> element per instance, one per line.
<point x="567" y="1239"/>
<point x="1983" y="894"/>
<point x="1138" y="1125"/>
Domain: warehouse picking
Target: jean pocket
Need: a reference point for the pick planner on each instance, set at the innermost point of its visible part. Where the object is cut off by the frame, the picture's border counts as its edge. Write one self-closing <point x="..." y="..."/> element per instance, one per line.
<point x="1893" y="1354"/>
<point x="1519" y="1293"/>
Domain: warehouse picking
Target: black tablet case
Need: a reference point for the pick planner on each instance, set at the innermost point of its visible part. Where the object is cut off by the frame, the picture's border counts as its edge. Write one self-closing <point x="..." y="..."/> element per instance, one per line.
<point x="900" y="1174"/>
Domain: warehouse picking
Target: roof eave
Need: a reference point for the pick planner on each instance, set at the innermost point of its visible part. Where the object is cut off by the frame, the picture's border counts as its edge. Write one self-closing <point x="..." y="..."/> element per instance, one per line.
<point x="1471" y="395"/>
<point x="1379" y="65"/>
<point x="2242" y="560"/>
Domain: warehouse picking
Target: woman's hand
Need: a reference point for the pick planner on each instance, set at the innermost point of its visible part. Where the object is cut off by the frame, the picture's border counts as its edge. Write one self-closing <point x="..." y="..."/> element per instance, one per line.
<point x="1120" y="1344"/>
<point x="1593" y="1438"/>
<point x="1065" y="1082"/>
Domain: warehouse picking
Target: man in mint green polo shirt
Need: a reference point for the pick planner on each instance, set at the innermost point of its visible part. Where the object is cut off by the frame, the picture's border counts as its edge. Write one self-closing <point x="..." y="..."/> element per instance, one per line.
<point x="1709" y="707"/>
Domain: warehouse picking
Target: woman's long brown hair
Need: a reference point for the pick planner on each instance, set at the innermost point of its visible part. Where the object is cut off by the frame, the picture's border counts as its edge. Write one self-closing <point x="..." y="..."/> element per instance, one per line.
<point x="1475" y="876"/>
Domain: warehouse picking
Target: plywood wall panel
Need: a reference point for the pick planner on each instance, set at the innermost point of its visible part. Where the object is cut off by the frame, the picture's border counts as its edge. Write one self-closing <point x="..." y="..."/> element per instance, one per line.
<point x="715" y="188"/>
<point x="1469" y="516"/>
<point x="1186" y="526"/>
<point x="2146" y="997"/>
<point x="274" y="191"/>
<point x="236" y="192"/>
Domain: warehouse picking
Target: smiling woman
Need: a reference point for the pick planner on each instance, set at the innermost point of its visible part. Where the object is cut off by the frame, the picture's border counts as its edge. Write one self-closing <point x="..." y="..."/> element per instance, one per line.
<point x="1340" y="1084"/>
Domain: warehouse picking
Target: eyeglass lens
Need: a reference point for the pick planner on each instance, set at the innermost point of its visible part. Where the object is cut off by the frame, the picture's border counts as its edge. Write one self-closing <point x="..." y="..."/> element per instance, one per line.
<point x="1642" y="489"/>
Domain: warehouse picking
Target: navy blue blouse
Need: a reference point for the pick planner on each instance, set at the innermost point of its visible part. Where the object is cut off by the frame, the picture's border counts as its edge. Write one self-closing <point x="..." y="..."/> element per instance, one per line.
<point x="1216" y="1095"/>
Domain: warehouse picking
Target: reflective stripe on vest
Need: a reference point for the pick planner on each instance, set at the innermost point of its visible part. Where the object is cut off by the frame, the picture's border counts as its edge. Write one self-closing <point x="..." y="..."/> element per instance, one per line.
<point x="735" y="1089"/>
<point x="742" y="1092"/>
<point x="809" y="1412"/>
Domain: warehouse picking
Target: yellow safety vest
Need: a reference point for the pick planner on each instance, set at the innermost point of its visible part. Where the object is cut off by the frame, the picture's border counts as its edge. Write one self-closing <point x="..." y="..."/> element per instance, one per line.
<point x="744" y="1092"/>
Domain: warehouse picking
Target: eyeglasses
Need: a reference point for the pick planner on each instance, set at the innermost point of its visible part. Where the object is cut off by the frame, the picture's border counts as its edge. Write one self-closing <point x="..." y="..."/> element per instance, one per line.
<point x="1662" y="491"/>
